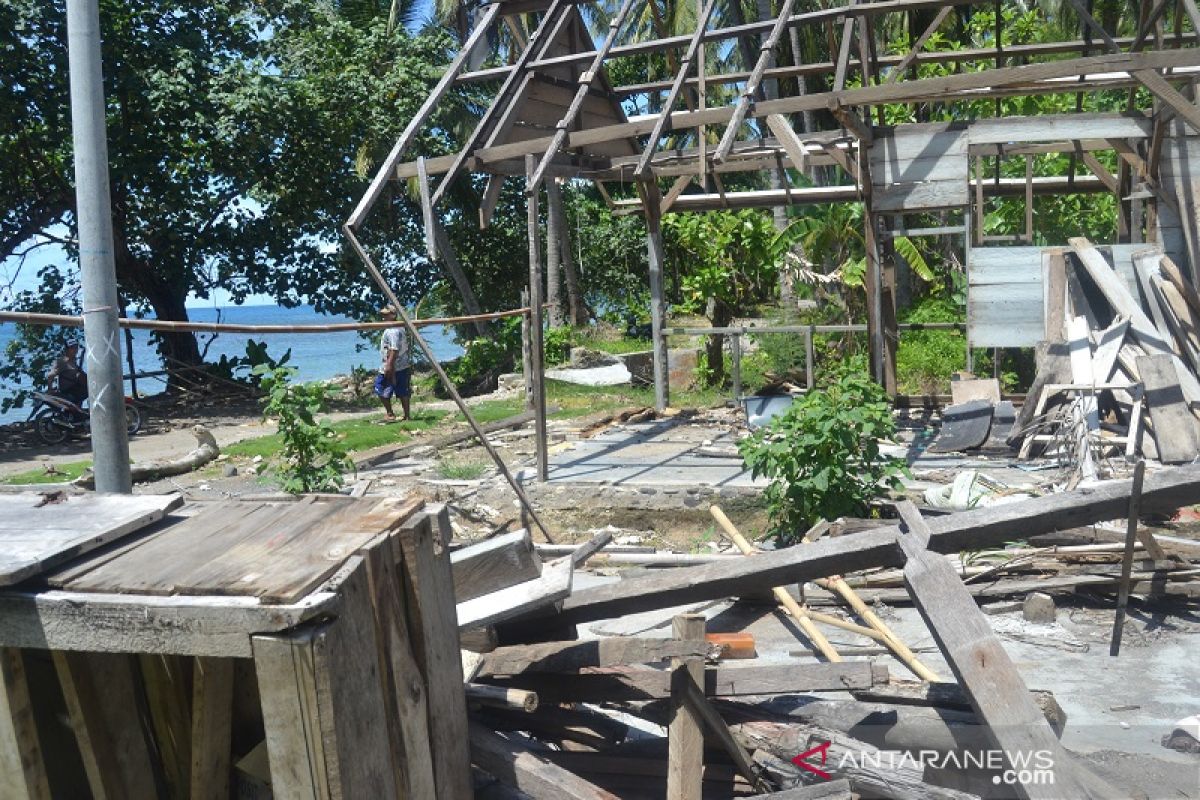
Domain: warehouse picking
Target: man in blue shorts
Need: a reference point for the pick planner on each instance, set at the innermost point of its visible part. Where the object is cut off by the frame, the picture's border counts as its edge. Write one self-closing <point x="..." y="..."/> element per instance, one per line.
<point x="394" y="378"/>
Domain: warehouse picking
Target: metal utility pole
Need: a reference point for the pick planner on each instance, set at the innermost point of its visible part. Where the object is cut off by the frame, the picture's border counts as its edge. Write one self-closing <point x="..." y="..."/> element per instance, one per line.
<point x="106" y="389"/>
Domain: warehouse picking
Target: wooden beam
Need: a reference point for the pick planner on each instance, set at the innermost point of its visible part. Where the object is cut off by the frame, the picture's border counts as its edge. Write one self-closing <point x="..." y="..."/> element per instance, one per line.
<point x="970" y="530"/>
<point x="570" y="656"/>
<point x="1090" y="21"/>
<point x="384" y="174"/>
<point x="212" y="724"/>
<point x="101" y="699"/>
<point x="843" y="59"/>
<point x="685" y="65"/>
<point x="532" y="774"/>
<point x="22" y="768"/>
<point x="652" y="205"/>
<point x="585" y="82"/>
<point x="494" y="564"/>
<point x="685" y="737"/>
<point x="790" y="142"/>
<point x="694" y="699"/>
<point x="1164" y="91"/>
<point x="646" y="684"/>
<point x="982" y="667"/>
<point x="431" y="249"/>
<point x="537" y="295"/>
<point x="738" y="113"/>
<point x="491" y="195"/>
<point x="676" y="189"/>
<point x="919" y="44"/>
<point x="1029" y="78"/>
<point x="1099" y="170"/>
<point x="504" y="96"/>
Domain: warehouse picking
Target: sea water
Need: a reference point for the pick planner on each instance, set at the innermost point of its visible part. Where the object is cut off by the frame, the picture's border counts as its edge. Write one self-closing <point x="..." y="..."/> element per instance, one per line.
<point x="317" y="356"/>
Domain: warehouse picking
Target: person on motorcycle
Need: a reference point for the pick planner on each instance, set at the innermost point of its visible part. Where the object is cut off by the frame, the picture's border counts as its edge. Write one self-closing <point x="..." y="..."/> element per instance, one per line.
<point x="66" y="377"/>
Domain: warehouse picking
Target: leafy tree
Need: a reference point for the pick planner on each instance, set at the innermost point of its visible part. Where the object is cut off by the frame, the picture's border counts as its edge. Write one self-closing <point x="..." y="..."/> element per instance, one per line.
<point x="312" y="458"/>
<point x="240" y="135"/>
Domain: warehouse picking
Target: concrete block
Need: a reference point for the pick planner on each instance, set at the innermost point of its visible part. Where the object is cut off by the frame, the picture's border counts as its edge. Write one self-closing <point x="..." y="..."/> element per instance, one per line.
<point x="1039" y="607"/>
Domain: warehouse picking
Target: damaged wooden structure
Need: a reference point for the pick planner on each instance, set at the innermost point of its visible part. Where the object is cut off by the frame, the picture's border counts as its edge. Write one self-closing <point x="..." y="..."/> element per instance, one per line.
<point x="305" y="645"/>
<point x="732" y="728"/>
<point x="555" y="114"/>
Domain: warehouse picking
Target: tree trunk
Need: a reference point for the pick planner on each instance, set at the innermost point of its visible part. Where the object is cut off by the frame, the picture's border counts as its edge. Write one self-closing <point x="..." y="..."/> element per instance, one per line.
<point x="714" y="349"/>
<point x="577" y="312"/>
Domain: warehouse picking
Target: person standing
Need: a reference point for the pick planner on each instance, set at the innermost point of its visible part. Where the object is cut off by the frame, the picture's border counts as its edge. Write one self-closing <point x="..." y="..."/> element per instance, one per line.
<point x="394" y="378"/>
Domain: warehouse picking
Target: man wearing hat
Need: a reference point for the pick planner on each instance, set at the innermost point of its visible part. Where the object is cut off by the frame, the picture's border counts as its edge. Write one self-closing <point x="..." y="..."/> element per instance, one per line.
<point x="66" y="377"/>
<point x="394" y="378"/>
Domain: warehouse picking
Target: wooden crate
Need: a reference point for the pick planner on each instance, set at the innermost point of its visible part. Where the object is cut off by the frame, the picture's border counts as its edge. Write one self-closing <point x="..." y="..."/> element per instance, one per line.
<point x="326" y="626"/>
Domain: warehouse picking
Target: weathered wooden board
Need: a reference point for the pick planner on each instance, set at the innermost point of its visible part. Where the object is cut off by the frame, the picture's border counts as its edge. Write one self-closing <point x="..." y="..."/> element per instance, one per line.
<point x="277" y="551"/>
<point x="1051" y="128"/>
<point x="920" y="166"/>
<point x="606" y="652"/>
<point x="998" y="694"/>
<point x="494" y="564"/>
<point x="1005" y="299"/>
<point x="645" y="684"/>
<point x="1174" y="425"/>
<point x="36" y="535"/>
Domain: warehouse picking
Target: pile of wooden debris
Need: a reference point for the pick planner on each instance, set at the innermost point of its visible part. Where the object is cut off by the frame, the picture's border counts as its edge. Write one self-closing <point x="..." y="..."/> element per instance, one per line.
<point x="554" y="715"/>
<point x="1117" y="375"/>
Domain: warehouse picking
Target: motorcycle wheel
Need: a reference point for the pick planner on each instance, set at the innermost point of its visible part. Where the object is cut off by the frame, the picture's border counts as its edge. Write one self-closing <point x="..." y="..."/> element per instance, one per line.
<point x="133" y="419"/>
<point x="49" y="429"/>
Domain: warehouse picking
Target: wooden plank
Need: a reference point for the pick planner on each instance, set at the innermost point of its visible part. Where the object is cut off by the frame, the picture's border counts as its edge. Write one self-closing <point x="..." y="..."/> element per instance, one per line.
<point x="286" y="668"/>
<point x="982" y="667"/>
<point x="1142" y="270"/>
<point x="36" y="535"/>
<point x="827" y="790"/>
<point x="605" y="652"/>
<point x="112" y="623"/>
<point x="1124" y="304"/>
<point x="718" y="682"/>
<point x="531" y="773"/>
<point x="685" y="737"/>
<point x="429" y="604"/>
<point x="1082" y="373"/>
<point x="22" y="770"/>
<point x="164" y="683"/>
<point x="1167" y="93"/>
<point x="1174" y="425"/>
<point x="405" y="697"/>
<point x="1108" y="346"/>
<point x="494" y="564"/>
<point x="694" y="699"/>
<point x="969" y="530"/>
<point x="1054" y="282"/>
<point x="212" y="726"/>
<point x="790" y="142"/>
<point x="351" y="696"/>
<point x="552" y="585"/>
<point x="275" y="551"/>
<point x="100" y="695"/>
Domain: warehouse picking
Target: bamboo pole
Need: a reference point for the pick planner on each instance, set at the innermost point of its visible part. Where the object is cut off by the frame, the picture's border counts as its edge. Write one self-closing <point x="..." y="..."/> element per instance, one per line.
<point x="802" y="616"/>
<point x="30" y="318"/>
<point x="880" y="631"/>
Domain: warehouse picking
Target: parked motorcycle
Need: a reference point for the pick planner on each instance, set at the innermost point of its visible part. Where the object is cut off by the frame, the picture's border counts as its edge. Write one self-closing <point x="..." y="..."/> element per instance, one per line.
<point x="55" y="418"/>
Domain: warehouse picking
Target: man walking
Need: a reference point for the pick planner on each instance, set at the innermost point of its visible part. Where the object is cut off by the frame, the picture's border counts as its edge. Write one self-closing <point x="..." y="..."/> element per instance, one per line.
<point x="394" y="378"/>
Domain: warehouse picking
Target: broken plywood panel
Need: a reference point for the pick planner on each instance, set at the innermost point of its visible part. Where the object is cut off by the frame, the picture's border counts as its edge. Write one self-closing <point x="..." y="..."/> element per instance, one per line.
<point x="41" y="531"/>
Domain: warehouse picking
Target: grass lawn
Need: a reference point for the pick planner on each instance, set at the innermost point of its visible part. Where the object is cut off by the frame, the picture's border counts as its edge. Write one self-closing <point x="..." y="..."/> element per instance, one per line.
<point x="357" y="434"/>
<point x="71" y="471"/>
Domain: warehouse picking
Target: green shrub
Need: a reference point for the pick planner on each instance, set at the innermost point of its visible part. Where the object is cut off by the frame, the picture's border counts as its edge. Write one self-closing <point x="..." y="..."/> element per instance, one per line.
<point x="486" y="357"/>
<point x="312" y="456"/>
<point x="557" y="345"/>
<point x="926" y="359"/>
<point x="822" y="455"/>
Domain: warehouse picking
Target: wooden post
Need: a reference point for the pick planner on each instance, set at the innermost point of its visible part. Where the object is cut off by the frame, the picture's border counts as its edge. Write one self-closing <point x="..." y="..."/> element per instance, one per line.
<point x="685" y="737"/>
<point x="735" y="349"/>
<point x="212" y="725"/>
<point x="526" y="351"/>
<point x="554" y="252"/>
<point x="433" y="629"/>
<point x="537" y="377"/>
<point x="1139" y="473"/>
<point x="651" y="202"/>
<point x="22" y="770"/>
<point x="809" y="358"/>
<point x="100" y="694"/>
